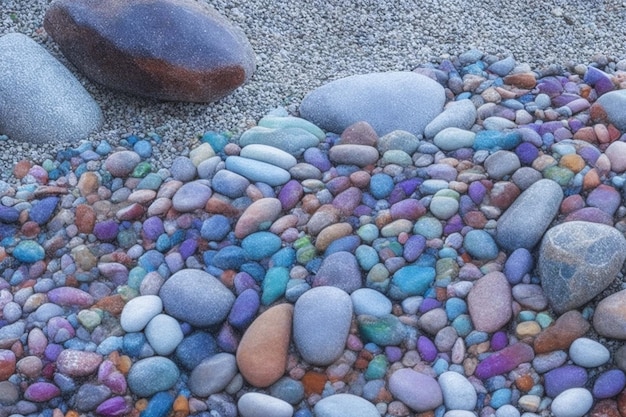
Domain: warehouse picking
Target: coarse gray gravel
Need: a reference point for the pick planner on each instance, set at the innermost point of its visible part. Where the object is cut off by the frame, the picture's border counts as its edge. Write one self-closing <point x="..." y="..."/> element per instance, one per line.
<point x="302" y="44"/>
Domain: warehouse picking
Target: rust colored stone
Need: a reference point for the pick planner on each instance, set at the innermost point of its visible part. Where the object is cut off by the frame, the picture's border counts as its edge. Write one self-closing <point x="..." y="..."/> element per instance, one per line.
<point x="313" y="382"/>
<point x="20" y="170"/>
<point x="360" y="133"/>
<point x="562" y="333"/>
<point x="114" y="304"/>
<point x="605" y="408"/>
<point x="85" y="218"/>
<point x="521" y="80"/>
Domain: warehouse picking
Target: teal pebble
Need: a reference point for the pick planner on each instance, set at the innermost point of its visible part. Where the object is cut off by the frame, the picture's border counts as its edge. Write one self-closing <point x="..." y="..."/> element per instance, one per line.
<point x="135" y="276"/>
<point x="440" y="366"/>
<point x="475" y="337"/>
<point x="216" y="140"/>
<point x="537" y="389"/>
<point x="455" y="307"/>
<point x="285" y="257"/>
<point x="143" y="148"/>
<point x="544" y="320"/>
<point x="151" y="181"/>
<point x="500" y="397"/>
<point x="274" y="284"/>
<point x="480" y="245"/>
<point x="526" y="316"/>
<point x="429" y="227"/>
<point x="368" y="232"/>
<point x="377" y="368"/>
<point x="463" y="325"/>
<point x="288" y="389"/>
<point x="448" y="252"/>
<point x="412" y="280"/>
<point x="28" y="251"/>
<point x="159" y="405"/>
<point x="260" y="245"/>
<point x="381" y="185"/>
<point x="494" y="140"/>
<point x="386" y="330"/>
<point x="127" y="238"/>
<point x="366" y="256"/>
<point x="163" y="243"/>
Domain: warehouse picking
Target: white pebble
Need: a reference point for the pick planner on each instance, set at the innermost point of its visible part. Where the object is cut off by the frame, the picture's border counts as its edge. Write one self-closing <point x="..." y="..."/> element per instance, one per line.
<point x="588" y="353"/>
<point x="574" y="402"/>
<point x="139" y="311"/>
<point x="507" y="410"/>
<point x="255" y="404"/>
<point x="164" y="334"/>
<point x="458" y="392"/>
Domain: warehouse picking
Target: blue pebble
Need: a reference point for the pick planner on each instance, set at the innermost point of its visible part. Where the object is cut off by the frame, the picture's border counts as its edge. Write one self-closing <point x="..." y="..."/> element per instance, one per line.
<point x="500" y="398"/>
<point x="494" y="140"/>
<point x="343" y="244"/>
<point x="260" y="245"/>
<point x="195" y="348"/>
<point x="463" y="325"/>
<point x="254" y="269"/>
<point x="159" y="405"/>
<point x="495" y="383"/>
<point x="518" y="264"/>
<point x="475" y="337"/>
<point x="303" y="413"/>
<point x="244" y="309"/>
<point x="132" y="344"/>
<point x="455" y="307"/>
<point x="151" y="260"/>
<point x="28" y="251"/>
<point x="215" y="228"/>
<point x="381" y="185"/>
<point x="41" y="211"/>
<point x="411" y="280"/>
<point x="110" y="344"/>
<point x="103" y="148"/>
<point x="229" y="257"/>
<point x="367" y="257"/>
<point x="440" y="366"/>
<point x="135" y="276"/>
<point x="216" y="140"/>
<point x="480" y="245"/>
<point x="143" y="148"/>
<point x="285" y="257"/>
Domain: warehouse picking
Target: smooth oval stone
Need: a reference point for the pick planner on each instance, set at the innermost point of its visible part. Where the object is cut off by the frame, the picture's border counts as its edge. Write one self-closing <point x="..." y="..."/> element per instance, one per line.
<point x="260" y="245"/>
<point x="29" y="251"/>
<point x="345" y="405"/>
<point x="516" y="229"/>
<point x="359" y="155"/>
<point x="370" y="302"/>
<point x="269" y="154"/>
<point x="293" y="140"/>
<point x="518" y="264"/>
<point x="577" y="261"/>
<point x="230" y="184"/>
<point x="70" y="296"/>
<point x="609" y="384"/>
<point x="77" y="362"/>
<point x="458" y="392"/>
<point x="341" y="270"/>
<point x="459" y="114"/>
<point x="41" y="211"/>
<point x="588" y="353"/>
<point x="257" y="171"/>
<point x="255" y="404"/>
<point x="196" y="297"/>
<point x="480" y="245"/>
<point x="195" y="348"/>
<point x="321" y="322"/>
<point x="374" y="98"/>
<point x="204" y="59"/>
<point x="489" y="302"/>
<point x="212" y="375"/>
<point x="41" y="392"/>
<point x="164" y="334"/>
<point x="609" y="316"/>
<point x="151" y="375"/>
<point x="122" y="163"/>
<point x="452" y="138"/>
<point x="258" y="216"/>
<point x="280" y="121"/>
<point x="244" y="308"/>
<point x="418" y="391"/>
<point x="411" y="280"/>
<point x="574" y="402"/>
<point x="192" y="196"/>
<point x="612" y="104"/>
<point x="386" y="330"/>
<point x="501" y="164"/>
<point x="563" y="378"/>
<point x="138" y="312"/>
<point x="264" y="347"/>
<point x="33" y="110"/>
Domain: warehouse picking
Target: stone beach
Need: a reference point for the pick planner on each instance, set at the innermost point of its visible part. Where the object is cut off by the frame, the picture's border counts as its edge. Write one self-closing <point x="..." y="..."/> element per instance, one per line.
<point x="433" y="233"/>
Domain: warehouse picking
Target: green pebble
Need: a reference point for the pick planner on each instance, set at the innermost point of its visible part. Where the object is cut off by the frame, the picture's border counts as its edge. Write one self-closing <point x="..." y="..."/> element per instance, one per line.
<point x="306" y="254"/>
<point x="446" y="192"/>
<point x="135" y="276"/>
<point x="141" y="170"/>
<point x="274" y="284"/>
<point x="302" y="242"/>
<point x="368" y="233"/>
<point x="90" y="319"/>
<point x="396" y="157"/>
<point x="446" y="268"/>
<point x="562" y="176"/>
<point x="127" y="292"/>
<point x="429" y="227"/>
<point x="544" y="320"/>
<point x="377" y="368"/>
<point x="386" y="330"/>
<point x="48" y="165"/>
<point x="152" y="181"/>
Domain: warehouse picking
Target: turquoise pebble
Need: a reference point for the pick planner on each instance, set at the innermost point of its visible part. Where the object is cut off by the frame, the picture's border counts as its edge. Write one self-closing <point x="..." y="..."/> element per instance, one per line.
<point x="28" y="251"/>
<point x="110" y="344"/>
<point x="429" y="227"/>
<point x="274" y="284"/>
<point x="440" y="366"/>
<point x="386" y="330"/>
<point x="381" y="185"/>
<point x="368" y="233"/>
<point x="411" y="280"/>
<point x="494" y="140"/>
<point x="500" y="397"/>
<point x="396" y="157"/>
<point x="377" y="368"/>
<point x="480" y="245"/>
<point x="544" y="320"/>
<point x="475" y="337"/>
<point x="152" y="181"/>
<point x="448" y="252"/>
<point x="260" y="245"/>
<point x="127" y="238"/>
<point x="463" y="325"/>
<point x="278" y="122"/>
<point x="163" y="243"/>
<point x="455" y="307"/>
<point x="135" y="276"/>
<point x="285" y="257"/>
<point x="103" y="148"/>
<point x="159" y="405"/>
<point x="141" y="170"/>
<point x="366" y="256"/>
<point x="537" y="389"/>
<point x="143" y="148"/>
<point x="526" y="315"/>
<point x="216" y="140"/>
<point x="288" y="389"/>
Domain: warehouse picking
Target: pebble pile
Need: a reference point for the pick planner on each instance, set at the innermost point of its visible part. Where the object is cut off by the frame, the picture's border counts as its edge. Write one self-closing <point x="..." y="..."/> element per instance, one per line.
<point x="470" y="267"/>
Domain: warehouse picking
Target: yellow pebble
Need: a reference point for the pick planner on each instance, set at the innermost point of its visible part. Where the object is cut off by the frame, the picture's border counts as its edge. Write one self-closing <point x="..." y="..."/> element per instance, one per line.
<point x="527" y="328"/>
<point x="573" y="162"/>
<point x="141" y="404"/>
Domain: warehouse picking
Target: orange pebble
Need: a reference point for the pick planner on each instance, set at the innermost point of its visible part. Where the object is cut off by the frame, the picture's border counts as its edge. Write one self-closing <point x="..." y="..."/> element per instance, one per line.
<point x="72" y="413"/>
<point x="181" y="406"/>
<point x="602" y="133"/>
<point x="591" y="179"/>
<point x="21" y="169"/>
<point x="124" y="364"/>
<point x="573" y="162"/>
<point x="228" y="278"/>
<point x="141" y="404"/>
<point x="313" y="382"/>
<point x="524" y="383"/>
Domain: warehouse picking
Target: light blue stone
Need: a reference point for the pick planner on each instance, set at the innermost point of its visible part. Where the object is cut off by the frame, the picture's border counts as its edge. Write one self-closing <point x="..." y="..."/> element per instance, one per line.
<point x="229" y="257"/>
<point x="28" y="251"/>
<point x="152" y="181"/>
<point x="216" y="140"/>
<point x="104" y="148"/>
<point x="455" y="307"/>
<point x="293" y="140"/>
<point x="368" y="232"/>
<point x="475" y="337"/>
<point x="370" y="302"/>
<point x="270" y="155"/>
<point x="279" y="122"/>
<point x="431" y="186"/>
<point x="163" y="243"/>
<point x="143" y="148"/>
<point x="494" y="140"/>
<point x="366" y="256"/>
<point x="285" y="257"/>
<point x="480" y="245"/>
<point x="463" y="325"/>
<point x="411" y="280"/>
<point x="110" y="344"/>
<point x="260" y="245"/>
<point x="257" y="170"/>
<point x="440" y="366"/>
<point x="151" y="375"/>
<point x="274" y="284"/>
<point x="381" y="185"/>
<point x="288" y="389"/>
<point x="215" y="228"/>
<point x="159" y="405"/>
<point x="500" y="397"/>
<point x="132" y="343"/>
<point x="429" y="227"/>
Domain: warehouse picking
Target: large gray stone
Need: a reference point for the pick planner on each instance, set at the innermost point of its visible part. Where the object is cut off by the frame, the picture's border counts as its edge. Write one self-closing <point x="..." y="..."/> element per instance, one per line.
<point x="179" y="50"/>
<point x="610" y="108"/>
<point x="40" y="100"/>
<point x="577" y="261"/>
<point x="523" y="224"/>
<point x="388" y="101"/>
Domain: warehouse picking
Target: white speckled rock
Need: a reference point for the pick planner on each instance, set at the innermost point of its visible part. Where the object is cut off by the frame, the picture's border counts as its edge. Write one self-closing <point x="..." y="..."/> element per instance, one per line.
<point x="574" y="402"/>
<point x="164" y="334"/>
<point x="459" y="413"/>
<point x="418" y="391"/>
<point x="321" y="322"/>
<point x="345" y="405"/>
<point x="255" y="404"/>
<point x="457" y="114"/>
<point x="588" y="353"/>
<point x="42" y="105"/>
<point x="388" y="101"/>
<point x="458" y="392"/>
<point x="138" y="312"/>
<point x="269" y="154"/>
<point x="213" y="374"/>
<point x="371" y="302"/>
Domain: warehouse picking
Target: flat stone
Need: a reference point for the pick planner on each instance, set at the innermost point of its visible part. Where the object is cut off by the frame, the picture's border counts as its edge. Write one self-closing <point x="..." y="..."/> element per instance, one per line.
<point x="458" y="114"/>
<point x="257" y="171"/>
<point x="418" y="391"/>
<point x="577" y="261"/>
<point x="293" y="140"/>
<point x="345" y="405"/>
<point x="196" y="297"/>
<point x="359" y="155"/>
<point x="560" y="335"/>
<point x="489" y="302"/>
<point x="164" y="334"/>
<point x="321" y="322"/>
<point x="192" y="196"/>
<point x="270" y="155"/>
<point x="375" y="98"/>
<point x="151" y="375"/>
<point x="213" y="374"/>
<point x="198" y="56"/>
<point x="33" y="109"/>
<point x="264" y="347"/>
<point x="516" y="229"/>
<point x="453" y="138"/>
<point x="256" y="404"/>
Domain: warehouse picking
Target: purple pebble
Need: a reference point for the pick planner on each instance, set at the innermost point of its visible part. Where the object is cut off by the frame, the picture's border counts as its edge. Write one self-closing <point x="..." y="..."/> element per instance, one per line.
<point x="499" y="341"/>
<point x="519" y="263"/>
<point x="106" y="231"/>
<point x="426" y="349"/>
<point x="477" y="191"/>
<point x="394" y="353"/>
<point x="317" y="158"/>
<point x="153" y="228"/>
<point x="429" y="304"/>
<point x="562" y="378"/>
<point x="414" y="247"/>
<point x="609" y="384"/>
<point x="113" y="407"/>
<point x="526" y="152"/>
<point x="188" y="248"/>
<point x="244" y="309"/>
<point x="290" y="194"/>
<point x="504" y="360"/>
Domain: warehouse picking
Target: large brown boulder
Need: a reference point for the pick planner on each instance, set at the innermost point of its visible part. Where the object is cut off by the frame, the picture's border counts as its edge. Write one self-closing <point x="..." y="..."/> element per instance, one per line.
<point x="178" y="50"/>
